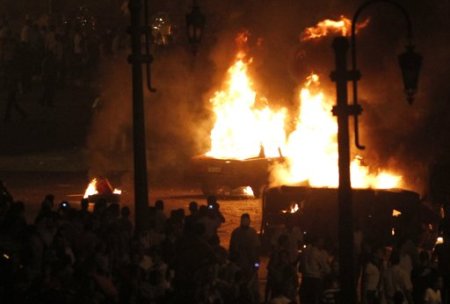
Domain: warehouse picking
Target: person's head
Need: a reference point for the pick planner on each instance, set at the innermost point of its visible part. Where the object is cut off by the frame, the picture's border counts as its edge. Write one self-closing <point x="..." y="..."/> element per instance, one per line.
<point x="100" y="206"/>
<point x="48" y="201"/>
<point x="245" y="220"/>
<point x="84" y="204"/>
<point x="211" y="200"/>
<point x="193" y="207"/>
<point x="159" y="205"/>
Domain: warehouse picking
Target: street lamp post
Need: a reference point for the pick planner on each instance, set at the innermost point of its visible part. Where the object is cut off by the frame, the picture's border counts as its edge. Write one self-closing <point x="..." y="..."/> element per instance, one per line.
<point x="136" y="59"/>
<point x="410" y="63"/>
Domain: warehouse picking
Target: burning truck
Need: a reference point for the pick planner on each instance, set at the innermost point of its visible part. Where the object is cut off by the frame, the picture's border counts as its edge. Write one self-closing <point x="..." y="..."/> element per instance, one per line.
<point x="218" y="176"/>
<point x="380" y="214"/>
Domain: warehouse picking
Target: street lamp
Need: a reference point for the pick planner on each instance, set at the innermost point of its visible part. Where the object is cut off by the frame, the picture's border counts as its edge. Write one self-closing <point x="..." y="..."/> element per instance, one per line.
<point x="410" y="63"/>
<point x="195" y="23"/>
<point x="136" y="59"/>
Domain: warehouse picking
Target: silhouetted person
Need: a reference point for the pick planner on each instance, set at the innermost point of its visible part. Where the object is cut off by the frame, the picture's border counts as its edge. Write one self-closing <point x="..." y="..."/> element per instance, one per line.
<point x="214" y="205"/>
<point x="5" y="196"/>
<point x="192" y="263"/>
<point x="84" y="213"/>
<point x="192" y="218"/>
<point x="244" y="251"/>
<point x="421" y="275"/>
<point x="125" y="224"/>
<point x="46" y="210"/>
<point x="160" y="217"/>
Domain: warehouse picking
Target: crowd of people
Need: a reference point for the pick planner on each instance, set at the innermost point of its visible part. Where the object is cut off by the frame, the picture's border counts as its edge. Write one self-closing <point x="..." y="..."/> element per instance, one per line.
<point x="71" y="255"/>
<point x="75" y="255"/>
<point x="43" y="56"/>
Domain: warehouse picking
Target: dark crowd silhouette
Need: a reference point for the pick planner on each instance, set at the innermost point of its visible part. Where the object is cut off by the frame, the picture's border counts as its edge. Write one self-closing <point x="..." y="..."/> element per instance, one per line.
<point x="40" y="57"/>
<point x="75" y="255"/>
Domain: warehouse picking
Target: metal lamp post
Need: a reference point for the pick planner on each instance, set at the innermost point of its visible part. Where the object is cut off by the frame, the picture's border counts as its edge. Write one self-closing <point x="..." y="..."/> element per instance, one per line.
<point x="195" y="23"/>
<point x="410" y="63"/>
<point x="136" y="59"/>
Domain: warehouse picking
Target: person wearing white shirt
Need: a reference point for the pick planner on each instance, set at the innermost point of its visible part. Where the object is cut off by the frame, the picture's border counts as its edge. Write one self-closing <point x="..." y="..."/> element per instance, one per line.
<point x="397" y="282"/>
<point x="314" y="267"/>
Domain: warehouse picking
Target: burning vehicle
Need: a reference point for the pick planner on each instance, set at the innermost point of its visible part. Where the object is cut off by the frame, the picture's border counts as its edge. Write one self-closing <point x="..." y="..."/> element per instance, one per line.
<point x="253" y="142"/>
<point x="100" y="188"/>
<point x="217" y="176"/>
<point x="380" y="214"/>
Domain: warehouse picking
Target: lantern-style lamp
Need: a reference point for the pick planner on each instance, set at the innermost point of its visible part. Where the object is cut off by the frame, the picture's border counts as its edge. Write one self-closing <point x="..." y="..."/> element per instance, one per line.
<point x="195" y="23"/>
<point x="410" y="63"/>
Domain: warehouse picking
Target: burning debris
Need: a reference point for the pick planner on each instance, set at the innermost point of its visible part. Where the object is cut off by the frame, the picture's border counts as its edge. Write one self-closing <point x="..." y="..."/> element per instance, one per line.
<point x="100" y="188"/>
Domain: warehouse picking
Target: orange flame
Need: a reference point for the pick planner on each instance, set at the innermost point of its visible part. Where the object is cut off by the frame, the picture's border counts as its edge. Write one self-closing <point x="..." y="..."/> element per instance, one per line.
<point x="243" y="126"/>
<point x="292" y="209"/>
<point x="311" y="150"/>
<point x="91" y="189"/>
<point x="325" y="27"/>
<point x="101" y="185"/>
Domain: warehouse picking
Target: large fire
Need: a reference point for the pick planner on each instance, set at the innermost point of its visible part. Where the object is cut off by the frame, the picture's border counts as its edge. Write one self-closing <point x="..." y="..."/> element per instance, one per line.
<point x="245" y="123"/>
<point x="242" y="127"/>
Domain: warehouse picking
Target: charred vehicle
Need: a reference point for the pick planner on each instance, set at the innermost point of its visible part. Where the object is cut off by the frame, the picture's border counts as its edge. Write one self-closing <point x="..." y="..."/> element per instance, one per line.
<point x="217" y="176"/>
<point x="379" y="214"/>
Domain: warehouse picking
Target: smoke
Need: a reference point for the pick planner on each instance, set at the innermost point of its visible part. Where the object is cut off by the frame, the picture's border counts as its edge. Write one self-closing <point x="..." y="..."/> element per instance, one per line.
<point x="179" y="116"/>
<point x="108" y="142"/>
